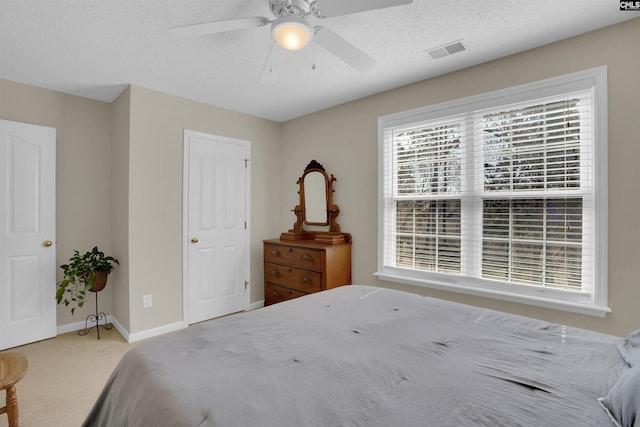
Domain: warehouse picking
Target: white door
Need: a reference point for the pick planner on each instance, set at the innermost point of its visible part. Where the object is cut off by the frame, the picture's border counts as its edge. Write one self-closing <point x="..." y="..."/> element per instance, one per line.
<point x="27" y="233"/>
<point x="216" y="233"/>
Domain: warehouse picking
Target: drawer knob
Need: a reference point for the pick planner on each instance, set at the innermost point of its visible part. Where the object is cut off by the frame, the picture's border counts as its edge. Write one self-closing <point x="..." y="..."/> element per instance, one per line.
<point x="306" y="280"/>
<point x="275" y="252"/>
<point x="306" y="257"/>
<point x="275" y="273"/>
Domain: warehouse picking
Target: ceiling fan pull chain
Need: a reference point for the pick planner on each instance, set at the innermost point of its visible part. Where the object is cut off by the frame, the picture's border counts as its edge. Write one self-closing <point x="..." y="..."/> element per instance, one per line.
<point x="313" y="66"/>
<point x="270" y="57"/>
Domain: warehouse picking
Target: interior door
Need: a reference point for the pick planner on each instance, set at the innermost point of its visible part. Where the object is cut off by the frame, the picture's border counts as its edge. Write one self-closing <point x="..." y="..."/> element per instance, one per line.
<point x="27" y="233"/>
<point x="216" y="236"/>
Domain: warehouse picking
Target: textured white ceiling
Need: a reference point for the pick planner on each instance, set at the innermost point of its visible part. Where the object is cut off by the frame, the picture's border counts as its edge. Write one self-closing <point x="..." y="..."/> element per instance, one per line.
<point x="94" y="48"/>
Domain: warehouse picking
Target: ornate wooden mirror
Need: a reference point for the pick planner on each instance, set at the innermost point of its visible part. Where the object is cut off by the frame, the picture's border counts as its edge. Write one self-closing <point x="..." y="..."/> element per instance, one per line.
<point x="316" y="207"/>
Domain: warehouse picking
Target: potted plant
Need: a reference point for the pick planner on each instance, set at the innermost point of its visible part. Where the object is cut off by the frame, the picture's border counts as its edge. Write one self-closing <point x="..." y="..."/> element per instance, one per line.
<point x="87" y="272"/>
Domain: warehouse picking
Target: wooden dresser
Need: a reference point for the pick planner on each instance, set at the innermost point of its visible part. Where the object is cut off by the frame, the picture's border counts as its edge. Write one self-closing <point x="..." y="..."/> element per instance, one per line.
<point x="296" y="268"/>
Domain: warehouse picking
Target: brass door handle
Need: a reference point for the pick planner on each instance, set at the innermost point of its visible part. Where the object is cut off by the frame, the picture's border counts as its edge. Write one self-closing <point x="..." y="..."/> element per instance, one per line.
<point x="194" y="240"/>
<point x="47" y="243"/>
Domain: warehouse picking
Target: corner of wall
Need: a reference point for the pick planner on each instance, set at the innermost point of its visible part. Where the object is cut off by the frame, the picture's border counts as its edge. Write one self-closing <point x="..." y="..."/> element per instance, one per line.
<point x="121" y="128"/>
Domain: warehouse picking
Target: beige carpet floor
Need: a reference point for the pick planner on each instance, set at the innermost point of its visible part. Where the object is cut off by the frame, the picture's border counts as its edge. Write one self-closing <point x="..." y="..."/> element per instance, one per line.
<point x="64" y="378"/>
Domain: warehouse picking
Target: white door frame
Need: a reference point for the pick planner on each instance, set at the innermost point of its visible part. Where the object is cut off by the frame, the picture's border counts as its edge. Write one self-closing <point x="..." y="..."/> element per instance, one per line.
<point x="185" y="217"/>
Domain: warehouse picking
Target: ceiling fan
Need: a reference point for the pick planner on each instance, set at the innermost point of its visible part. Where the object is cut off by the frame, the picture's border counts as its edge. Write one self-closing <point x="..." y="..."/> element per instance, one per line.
<point x="292" y="31"/>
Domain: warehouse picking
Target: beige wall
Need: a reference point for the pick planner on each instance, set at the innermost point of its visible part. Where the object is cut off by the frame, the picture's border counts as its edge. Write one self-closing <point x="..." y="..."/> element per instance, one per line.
<point x="344" y="139"/>
<point x="155" y="199"/>
<point x="83" y="169"/>
<point x="119" y="280"/>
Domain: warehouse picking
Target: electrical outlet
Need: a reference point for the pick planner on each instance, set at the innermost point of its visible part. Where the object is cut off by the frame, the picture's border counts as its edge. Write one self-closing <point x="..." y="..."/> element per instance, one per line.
<point x="147" y="301"/>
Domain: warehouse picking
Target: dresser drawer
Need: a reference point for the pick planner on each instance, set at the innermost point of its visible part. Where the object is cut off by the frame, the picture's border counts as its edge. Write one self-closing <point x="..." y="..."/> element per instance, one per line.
<point x="293" y="256"/>
<point x="274" y="294"/>
<point x="297" y="268"/>
<point x="303" y="280"/>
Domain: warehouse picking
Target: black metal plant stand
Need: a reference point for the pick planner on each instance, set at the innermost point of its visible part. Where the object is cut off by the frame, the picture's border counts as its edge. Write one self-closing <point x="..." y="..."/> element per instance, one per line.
<point x="95" y="318"/>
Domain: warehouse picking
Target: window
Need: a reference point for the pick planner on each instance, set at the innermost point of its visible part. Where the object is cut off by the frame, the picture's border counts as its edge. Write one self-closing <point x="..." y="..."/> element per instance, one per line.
<point x="501" y="194"/>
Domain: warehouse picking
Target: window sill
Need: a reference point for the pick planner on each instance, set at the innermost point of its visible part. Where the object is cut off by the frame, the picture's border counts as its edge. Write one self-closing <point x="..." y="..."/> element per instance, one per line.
<point x="535" y="300"/>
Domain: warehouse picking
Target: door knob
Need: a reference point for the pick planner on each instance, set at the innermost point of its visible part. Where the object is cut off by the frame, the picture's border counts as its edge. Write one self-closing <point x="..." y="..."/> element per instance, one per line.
<point x="194" y="240"/>
<point x="47" y="243"/>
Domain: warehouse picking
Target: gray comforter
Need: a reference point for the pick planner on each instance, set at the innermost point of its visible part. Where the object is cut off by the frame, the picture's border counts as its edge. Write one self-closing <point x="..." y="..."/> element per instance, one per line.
<point x="363" y="356"/>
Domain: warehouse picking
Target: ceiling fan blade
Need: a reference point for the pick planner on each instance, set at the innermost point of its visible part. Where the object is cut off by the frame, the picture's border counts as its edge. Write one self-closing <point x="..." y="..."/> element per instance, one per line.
<point x="344" y="50"/>
<point x="329" y="8"/>
<point x="276" y="62"/>
<point x="194" y="30"/>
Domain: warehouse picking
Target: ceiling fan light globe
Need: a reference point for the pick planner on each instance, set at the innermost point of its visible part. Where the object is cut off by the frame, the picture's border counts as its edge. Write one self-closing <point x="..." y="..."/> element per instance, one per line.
<point x="291" y="33"/>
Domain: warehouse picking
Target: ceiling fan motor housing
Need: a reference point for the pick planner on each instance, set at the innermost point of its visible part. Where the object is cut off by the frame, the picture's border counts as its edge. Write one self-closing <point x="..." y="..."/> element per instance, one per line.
<point x="299" y="8"/>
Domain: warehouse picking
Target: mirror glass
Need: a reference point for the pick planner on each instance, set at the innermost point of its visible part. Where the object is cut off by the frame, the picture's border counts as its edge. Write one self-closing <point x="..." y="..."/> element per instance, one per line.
<point x="315" y="199"/>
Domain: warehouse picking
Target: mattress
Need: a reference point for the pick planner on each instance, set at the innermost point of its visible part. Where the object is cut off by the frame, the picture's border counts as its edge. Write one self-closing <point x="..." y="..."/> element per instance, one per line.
<point x="364" y="356"/>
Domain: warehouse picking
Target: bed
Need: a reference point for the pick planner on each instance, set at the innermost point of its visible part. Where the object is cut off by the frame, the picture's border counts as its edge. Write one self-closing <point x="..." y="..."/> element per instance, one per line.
<point x="369" y="356"/>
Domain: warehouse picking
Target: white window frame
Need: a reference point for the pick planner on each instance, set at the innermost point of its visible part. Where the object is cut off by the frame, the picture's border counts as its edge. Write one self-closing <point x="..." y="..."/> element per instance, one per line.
<point x="594" y="302"/>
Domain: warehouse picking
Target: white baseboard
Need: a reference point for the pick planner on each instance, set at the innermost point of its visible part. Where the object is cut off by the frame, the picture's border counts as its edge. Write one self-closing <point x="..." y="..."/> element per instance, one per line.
<point x="138" y="336"/>
<point x="121" y="330"/>
<point x="256" y="305"/>
<point x="154" y="332"/>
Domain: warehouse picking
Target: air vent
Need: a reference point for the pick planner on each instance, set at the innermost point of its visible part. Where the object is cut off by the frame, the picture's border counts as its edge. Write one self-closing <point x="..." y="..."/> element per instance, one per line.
<point x="446" y="50"/>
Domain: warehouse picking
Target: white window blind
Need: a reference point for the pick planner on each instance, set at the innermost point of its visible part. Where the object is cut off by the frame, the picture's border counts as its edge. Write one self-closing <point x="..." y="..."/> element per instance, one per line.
<point x="496" y="196"/>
